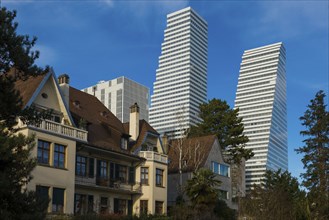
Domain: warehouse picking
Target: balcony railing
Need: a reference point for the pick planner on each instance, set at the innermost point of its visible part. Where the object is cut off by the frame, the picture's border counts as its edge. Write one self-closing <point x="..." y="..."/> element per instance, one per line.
<point x="57" y="128"/>
<point x="154" y="156"/>
<point x="117" y="185"/>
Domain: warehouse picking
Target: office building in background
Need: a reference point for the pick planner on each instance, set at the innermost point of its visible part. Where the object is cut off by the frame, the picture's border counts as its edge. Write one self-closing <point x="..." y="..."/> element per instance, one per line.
<point x="261" y="98"/>
<point x="121" y="93"/>
<point x="181" y="77"/>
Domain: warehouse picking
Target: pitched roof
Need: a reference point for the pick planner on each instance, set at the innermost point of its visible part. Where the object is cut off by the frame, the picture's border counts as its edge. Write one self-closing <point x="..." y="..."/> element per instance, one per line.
<point x="27" y="85"/>
<point x="104" y="129"/>
<point x="144" y="128"/>
<point x="195" y="152"/>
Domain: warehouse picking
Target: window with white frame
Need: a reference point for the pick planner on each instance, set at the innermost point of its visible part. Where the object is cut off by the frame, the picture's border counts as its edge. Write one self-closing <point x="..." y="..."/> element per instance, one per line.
<point x="220" y="169"/>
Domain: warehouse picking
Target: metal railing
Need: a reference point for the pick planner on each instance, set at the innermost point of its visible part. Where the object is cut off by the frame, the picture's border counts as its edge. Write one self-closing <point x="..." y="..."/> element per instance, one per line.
<point x="108" y="183"/>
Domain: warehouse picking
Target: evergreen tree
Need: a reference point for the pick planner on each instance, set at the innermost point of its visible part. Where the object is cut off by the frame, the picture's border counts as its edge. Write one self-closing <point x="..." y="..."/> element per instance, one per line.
<point x="219" y="119"/>
<point x="316" y="155"/>
<point x="15" y="161"/>
<point x="279" y="197"/>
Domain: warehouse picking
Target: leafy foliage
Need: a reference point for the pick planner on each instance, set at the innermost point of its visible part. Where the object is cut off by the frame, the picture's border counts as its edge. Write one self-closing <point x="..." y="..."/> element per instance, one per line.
<point x="15" y="168"/>
<point x="219" y="119"/>
<point x="201" y="189"/>
<point x="316" y="155"/>
<point x="15" y="49"/>
<point x="223" y="212"/>
<point x="15" y="161"/>
<point x="278" y="198"/>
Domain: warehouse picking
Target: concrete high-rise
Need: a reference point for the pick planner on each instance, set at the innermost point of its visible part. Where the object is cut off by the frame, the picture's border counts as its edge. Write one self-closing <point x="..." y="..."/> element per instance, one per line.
<point x="121" y="93"/>
<point x="181" y="77"/>
<point x="261" y="99"/>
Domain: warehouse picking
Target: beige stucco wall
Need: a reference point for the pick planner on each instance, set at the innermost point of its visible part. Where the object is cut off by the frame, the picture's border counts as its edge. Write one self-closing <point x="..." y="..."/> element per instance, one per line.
<point x="152" y="192"/>
<point x="55" y="177"/>
<point x="98" y="193"/>
<point x="53" y="100"/>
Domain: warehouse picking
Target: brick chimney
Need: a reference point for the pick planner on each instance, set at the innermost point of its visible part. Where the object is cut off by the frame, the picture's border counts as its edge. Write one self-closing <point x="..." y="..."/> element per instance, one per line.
<point x="134" y="121"/>
<point x="63" y="81"/>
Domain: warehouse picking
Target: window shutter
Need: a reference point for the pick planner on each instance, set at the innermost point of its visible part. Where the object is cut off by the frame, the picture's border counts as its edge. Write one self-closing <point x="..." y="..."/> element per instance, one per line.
<point x="130" y="207"/>
<point x="131" y="178"/>
<point x="112" y="171"/>
<point x="117" y="169"/>
<point x="116" y="205"/>
<point x="98" y="168"/>
<point x="91" y="167"/>
<point x="90" y="203"/>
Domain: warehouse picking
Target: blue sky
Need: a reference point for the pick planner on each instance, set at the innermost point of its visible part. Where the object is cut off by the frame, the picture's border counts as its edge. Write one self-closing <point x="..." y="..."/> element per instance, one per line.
<point x="101" y="40"/>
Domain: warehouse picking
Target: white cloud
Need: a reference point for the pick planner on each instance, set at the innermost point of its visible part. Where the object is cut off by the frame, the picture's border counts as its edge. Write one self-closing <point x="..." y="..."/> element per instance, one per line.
<point x="144" y="16"/>
<point x="143" y="8"/>
<point x="289" y="19"/>
<point x="109" y="3"/>
<point x="171" y="6"/>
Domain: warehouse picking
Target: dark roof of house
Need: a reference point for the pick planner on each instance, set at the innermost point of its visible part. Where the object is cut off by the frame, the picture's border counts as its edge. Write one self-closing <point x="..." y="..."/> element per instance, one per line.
<point x="195" y="152"/>
<point x="104" y="129"/>
<point x="26" y="85"/>
<point x="144" y="128"/>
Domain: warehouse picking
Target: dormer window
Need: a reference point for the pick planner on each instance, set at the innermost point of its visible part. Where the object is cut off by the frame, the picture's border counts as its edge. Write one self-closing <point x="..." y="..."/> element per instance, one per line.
<point x="124" y="143"/>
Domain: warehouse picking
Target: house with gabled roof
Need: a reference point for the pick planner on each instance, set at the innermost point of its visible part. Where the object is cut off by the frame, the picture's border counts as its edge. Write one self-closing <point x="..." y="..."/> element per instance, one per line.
<point x="153" y="172"/>
<point x="87" y="161"/>
<point x="192" y="154"/>
<point x="55" y="139"/>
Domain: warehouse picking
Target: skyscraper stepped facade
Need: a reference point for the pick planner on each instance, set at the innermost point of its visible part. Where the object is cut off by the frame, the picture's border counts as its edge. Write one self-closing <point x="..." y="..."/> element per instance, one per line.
<point x="121" y="93"/>
<point x="181" y="77"/>
<point x="261" y="98"/>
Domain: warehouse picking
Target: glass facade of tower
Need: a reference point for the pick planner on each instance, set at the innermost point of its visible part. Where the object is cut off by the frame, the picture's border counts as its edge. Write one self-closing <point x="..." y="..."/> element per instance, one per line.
<point x="261" y="99"/>
<point x="181" y="77"/>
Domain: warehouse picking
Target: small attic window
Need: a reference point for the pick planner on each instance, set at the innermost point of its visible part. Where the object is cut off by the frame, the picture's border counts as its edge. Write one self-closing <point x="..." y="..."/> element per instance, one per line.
<point x="44" y="95"/>
<point x="76" y="103"/>
<point x="104" y="114"/>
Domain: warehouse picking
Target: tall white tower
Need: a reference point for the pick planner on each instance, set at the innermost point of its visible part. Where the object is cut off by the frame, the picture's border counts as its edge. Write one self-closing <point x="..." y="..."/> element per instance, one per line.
<point x="261" y="99"/>
<point x="181" y="77"/>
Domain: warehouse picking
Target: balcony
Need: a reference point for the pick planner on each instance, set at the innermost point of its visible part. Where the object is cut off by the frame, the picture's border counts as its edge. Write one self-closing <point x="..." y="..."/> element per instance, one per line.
<point x="154" y="156"/>
<point x="109" y="184"/>
<point x="58" y="128"/>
